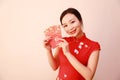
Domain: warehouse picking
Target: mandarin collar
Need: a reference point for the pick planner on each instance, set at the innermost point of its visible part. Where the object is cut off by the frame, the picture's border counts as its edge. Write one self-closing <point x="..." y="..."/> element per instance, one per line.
<point x="81" y="37"/>
<point x="69" y="39"/>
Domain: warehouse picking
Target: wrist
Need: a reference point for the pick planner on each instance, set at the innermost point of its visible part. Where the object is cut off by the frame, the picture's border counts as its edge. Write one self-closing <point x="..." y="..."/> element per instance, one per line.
<point x="48" y="50"/>
<point x="67" y="54"/>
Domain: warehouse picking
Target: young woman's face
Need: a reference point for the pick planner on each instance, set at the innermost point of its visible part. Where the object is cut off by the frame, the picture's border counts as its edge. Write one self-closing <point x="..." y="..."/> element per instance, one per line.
<point x="72" y="25"/>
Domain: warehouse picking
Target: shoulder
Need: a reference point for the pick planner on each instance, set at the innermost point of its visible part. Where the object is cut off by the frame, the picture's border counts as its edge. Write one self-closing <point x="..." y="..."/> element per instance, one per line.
<point x="93" y="44"/>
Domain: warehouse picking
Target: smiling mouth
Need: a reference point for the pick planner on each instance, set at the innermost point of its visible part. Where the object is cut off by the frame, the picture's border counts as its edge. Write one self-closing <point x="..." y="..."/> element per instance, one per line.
<point x="72" y="32"/>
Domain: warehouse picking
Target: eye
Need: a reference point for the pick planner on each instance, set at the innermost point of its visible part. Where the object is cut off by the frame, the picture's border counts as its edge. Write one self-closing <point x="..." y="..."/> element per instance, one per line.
<point x="64" y="26"/>
<point x="72" y="21"/>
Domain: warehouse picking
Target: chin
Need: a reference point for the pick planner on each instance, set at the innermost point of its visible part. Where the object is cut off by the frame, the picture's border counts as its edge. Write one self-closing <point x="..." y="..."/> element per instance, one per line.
<point x="73" y="35"/>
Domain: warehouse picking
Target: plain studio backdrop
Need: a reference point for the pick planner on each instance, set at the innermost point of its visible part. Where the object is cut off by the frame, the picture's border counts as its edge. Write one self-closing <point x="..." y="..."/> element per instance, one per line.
<point x="22" y="22"/>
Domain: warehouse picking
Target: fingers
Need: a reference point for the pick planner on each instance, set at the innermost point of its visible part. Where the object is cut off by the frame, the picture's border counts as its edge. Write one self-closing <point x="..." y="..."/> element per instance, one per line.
<point x="62" y="42"/>
<point x="46" y="41"/>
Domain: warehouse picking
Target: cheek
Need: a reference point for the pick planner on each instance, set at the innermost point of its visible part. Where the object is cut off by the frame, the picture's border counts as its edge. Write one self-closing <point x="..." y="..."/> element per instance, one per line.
<point x="66" y="30"/>
<point x="79" y="26"/>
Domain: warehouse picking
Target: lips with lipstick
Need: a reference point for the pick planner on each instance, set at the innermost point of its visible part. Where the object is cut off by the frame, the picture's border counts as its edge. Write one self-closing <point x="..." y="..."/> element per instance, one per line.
<point x="72" y="31"/>
<point x="53" y="32"/>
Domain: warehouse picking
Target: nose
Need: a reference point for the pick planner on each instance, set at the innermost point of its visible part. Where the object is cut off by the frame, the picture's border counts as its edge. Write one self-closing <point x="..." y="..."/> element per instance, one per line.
<point x="71" y="27"/>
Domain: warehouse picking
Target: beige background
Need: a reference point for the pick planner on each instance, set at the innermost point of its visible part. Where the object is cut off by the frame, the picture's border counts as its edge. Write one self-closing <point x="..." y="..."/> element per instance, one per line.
<point x="22" y="22"/>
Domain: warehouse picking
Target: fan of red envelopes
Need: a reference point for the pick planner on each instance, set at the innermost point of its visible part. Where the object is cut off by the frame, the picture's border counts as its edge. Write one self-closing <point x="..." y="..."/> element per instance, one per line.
<point x="53" y="32"/>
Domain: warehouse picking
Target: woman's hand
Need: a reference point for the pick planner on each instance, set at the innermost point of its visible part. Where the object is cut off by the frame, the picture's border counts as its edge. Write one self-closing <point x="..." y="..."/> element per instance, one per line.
<point x="46" y="43"/>
<point x="64" y="45"/>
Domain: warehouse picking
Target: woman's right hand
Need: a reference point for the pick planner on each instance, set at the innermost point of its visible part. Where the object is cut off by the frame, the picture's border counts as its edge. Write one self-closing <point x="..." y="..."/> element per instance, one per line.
<point x="46" y="43"/>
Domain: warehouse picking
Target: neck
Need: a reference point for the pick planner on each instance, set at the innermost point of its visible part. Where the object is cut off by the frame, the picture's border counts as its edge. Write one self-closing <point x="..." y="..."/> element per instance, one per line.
<point x="80" y="35"/>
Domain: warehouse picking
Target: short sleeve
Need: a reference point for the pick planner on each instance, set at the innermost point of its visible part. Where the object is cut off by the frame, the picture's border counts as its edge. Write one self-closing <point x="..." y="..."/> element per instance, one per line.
<point x="96" y="46"/>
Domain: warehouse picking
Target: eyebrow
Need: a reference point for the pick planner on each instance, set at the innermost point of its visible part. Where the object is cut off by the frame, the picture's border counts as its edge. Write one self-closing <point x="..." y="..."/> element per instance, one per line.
<point x="71" y="19"/>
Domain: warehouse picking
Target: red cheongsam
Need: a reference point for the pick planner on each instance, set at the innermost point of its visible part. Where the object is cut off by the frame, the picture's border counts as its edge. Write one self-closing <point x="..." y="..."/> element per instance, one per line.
<point x="81" y="48"/>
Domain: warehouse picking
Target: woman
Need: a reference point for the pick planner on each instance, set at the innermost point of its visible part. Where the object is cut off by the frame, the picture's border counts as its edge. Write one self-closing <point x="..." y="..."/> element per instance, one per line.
<point x="76" y="56"/>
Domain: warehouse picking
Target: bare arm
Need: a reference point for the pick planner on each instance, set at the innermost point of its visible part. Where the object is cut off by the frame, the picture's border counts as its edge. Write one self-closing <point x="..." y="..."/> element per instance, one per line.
<point x="86" y="71"/>
<point x="52" y="59"/>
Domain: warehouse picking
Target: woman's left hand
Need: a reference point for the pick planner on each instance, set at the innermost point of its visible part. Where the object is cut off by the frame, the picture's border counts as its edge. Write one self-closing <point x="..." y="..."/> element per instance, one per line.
<point x="64" y="45"/>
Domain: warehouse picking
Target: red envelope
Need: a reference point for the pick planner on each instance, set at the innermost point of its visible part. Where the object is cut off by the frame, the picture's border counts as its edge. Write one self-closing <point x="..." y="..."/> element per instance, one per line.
<point x="53" y="32"/>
